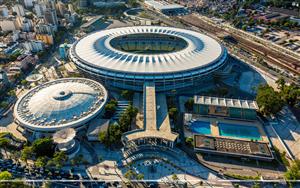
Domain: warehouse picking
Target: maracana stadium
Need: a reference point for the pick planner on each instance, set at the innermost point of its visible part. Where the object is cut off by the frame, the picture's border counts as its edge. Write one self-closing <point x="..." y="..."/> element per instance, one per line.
<point x="128" y="57"/>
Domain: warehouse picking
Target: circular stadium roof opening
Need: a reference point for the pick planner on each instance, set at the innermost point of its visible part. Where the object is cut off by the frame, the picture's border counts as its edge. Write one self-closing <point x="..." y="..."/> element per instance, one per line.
<point x="148" y="43"/>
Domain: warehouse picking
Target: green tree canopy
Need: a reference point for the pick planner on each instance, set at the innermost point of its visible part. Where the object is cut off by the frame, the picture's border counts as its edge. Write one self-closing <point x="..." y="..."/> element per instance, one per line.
<point x="268" y="100"/>
<point x="110" y="108"/>
<point x="43" y="147"/>
<point x="58" y="159"/>
<point x="126" y="94"/>
<point x="5" y="175"/>
<point x="26" y="153"/>
<point x="293" y="173"/>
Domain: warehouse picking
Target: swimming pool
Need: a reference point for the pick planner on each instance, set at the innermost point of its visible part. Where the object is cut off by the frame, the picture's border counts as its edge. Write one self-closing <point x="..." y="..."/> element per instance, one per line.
<point x="239" y="131"/>
<point x="200" y="127"/>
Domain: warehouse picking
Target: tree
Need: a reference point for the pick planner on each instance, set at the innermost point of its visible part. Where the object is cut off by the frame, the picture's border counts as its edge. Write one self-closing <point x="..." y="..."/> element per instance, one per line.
<point x="5" y="175"/>
<point x="4" y="104"/>
<point x="280" y="83"/>
<point x="102" y="136"/>
<point x="189" y="104"/>
<point x="58" y="160"/>
<point x="4" y="143"/>
<point x="12" y="93"/>
<point x="130" y="174"/>
<point x="41" y="161"/>
<point x="110" y="108"/>
<point x="24" y="82"/>
<point x="140" y="177"/>
<point x="173" y="113"/>
<point x="175" y="177"/>
<point x="244" y="27"/>
<point x="43" y="147"/>
<point x="293" y="173"/>
<point x="189" y="141"/>
<point x="26" y="153"/>
<point x="268" y="100"/>
<point x="126" y="94"/>
<point x="127" y="117"/>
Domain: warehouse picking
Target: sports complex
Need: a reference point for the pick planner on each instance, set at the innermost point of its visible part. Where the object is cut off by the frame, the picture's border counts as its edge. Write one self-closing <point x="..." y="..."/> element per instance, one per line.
<point x="128" y="57"/>
<point x="60" y="104"/>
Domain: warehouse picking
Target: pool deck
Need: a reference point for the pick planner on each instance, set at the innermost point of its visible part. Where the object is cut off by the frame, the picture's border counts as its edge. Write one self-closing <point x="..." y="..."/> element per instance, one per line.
<point x="215" y="128"/>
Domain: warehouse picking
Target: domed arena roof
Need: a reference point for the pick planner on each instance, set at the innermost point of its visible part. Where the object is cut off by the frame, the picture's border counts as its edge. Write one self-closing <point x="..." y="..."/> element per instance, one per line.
<point x="68" y="102"/>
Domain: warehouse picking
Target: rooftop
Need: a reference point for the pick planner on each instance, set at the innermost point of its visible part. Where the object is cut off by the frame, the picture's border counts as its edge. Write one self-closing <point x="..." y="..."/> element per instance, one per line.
<point x="60" y="104"/>
<point x="160" y="5"/>
<point x="226" y="102"/>
<point x="97" y="52"/>
<point x="232" y="147"/>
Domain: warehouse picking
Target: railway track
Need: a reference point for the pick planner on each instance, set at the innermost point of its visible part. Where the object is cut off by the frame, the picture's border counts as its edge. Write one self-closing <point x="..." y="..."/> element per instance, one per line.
<point x="276" y="58"/>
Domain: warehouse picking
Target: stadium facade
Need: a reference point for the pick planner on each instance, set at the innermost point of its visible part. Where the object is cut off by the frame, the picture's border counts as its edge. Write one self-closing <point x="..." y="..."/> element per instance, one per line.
<point x="128" y="57"/>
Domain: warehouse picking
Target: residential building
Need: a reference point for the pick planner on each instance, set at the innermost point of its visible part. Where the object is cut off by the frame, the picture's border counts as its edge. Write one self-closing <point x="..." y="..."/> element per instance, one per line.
<point x="33" y="46"/>
<point x="8" y="24"/>
<point x="50" y="17"/>
<point x="39" y="9"/>
<point x="3" y="11"/>
<point x="19" y="9"/>
<point x="28" y="3"/>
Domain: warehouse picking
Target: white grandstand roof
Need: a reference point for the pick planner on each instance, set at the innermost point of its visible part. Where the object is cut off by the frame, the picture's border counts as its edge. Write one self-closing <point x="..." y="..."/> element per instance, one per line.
<point x="95" y="50"/>
<point x="62" y="103"/>
<point x="226" y="102"/>
<point x="160" y="5"/>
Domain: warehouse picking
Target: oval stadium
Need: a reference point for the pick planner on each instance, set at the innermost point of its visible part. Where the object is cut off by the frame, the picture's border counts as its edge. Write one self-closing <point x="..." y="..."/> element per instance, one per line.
<point x="59" y="104"/>
<point x="128" y="57"/>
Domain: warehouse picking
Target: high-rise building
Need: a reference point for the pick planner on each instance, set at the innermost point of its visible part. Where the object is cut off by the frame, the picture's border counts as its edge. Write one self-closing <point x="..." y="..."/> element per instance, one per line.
<point x="19" y="9"/>
<point x="50" y="17"/>
<point x="39" y="9"/>
<point x="24" y="24"/>
<point x="44" y="29"/>
<point x="44" y="33"/>
<point x="61" y="8"/>
<point x="63" y="51"/>
<point x="8" y="24"/>
<point x="3" y="11"/>
<point x="3" y="80"/>
<point x="71" y="8"/>
<point x="33" y="46"/>
<point x="83" y="3"/>
<point x="28" y="3"/>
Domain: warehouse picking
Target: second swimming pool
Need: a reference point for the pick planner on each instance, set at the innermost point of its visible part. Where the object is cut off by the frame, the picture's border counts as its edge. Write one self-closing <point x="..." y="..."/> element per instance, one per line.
<point x="239" y="131"/>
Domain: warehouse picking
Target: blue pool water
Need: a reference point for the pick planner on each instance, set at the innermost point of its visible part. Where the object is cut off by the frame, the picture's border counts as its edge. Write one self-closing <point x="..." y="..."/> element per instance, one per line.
<point x="200" y="127"/>
<point x="239" y="131"/>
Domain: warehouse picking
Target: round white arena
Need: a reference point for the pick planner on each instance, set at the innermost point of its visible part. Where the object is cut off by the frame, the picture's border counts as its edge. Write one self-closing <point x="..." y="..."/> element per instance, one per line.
<point x="60" y="104"/>
<point x="127" y="57"/>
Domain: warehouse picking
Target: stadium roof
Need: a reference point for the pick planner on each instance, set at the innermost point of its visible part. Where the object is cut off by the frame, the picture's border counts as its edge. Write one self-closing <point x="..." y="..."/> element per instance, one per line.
<point x="62" y="103"/>
<point x="96" y="51"/>
<point x="226" y="102"/>
<point x="161" y="5"/>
